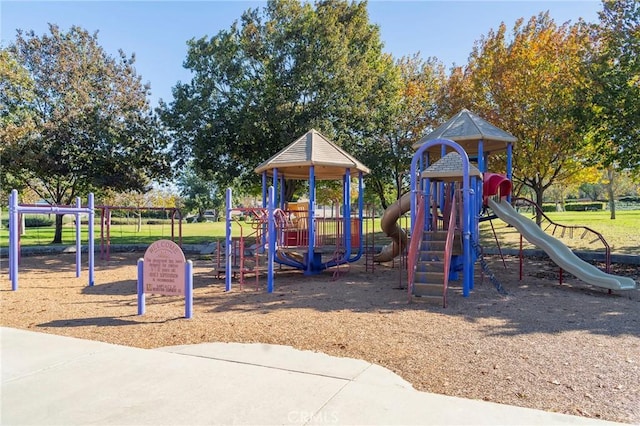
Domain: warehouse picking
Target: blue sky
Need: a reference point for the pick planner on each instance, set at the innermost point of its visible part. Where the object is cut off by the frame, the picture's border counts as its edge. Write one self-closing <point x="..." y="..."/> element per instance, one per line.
<point x="157" y="31"/>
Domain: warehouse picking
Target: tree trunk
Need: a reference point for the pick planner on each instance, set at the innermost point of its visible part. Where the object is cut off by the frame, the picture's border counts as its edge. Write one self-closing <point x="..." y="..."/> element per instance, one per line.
<point x="290" y="187"/>
<point x="539" y="197"/>
<point x="611" y="174"/>
<point x="57" y="237"/>
<point x="378" y="189"/>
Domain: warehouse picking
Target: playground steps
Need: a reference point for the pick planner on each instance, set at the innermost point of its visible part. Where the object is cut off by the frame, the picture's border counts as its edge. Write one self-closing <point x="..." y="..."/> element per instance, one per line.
<point x="434" y="241"/>
<point x="428" y="282"/>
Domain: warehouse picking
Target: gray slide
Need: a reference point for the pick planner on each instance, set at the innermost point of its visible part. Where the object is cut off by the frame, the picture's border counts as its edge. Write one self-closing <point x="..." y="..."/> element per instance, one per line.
<point x="558" y="252"/>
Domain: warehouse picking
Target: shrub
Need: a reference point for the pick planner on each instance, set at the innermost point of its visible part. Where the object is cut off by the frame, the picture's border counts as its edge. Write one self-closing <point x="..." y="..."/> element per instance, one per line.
<point x="629" y="199"/>
<point x="583" y="207"/>
<point x="37" y="222"/>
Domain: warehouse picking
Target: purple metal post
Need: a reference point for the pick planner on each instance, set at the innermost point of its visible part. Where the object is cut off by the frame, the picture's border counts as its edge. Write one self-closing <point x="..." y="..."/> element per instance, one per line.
<point x="91" y="241"/>
<point x="16" y="210"/>
<point x="141" y="301"/>
<point x="227" y="245"/>
<point x="78" y="238"/>
<point x="188" y="289"/>
<point x="13" y="239"/>
<point x="272" y="238"/>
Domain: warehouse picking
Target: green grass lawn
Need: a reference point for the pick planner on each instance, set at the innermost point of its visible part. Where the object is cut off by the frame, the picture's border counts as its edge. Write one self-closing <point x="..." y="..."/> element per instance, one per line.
<point x="622" y="234"/>
<point x="192" y="233"/>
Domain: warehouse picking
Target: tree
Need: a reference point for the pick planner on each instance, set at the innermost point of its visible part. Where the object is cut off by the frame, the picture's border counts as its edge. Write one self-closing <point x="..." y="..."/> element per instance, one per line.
<point x="271" y="77"/>
<point x="92" y="127"/>
<point x="582" y="178"/>
<point x="415" y="110"/>
<point x="16" y="119"/>
<point x="611" y="91"/>
<point x="199" y="194"/>
<point x="526" y="85"/>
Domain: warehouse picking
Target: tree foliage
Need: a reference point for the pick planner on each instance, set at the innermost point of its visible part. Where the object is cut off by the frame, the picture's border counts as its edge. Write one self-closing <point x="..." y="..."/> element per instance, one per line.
<point x="198" y="194"/>
<point x="15" y="84"/>
<point x="415" y="109"/>
<point x="611" y="115"/>
<point x="526" y="84"/>
<point x="90" y="126"/>
<point x="273" y="75"/>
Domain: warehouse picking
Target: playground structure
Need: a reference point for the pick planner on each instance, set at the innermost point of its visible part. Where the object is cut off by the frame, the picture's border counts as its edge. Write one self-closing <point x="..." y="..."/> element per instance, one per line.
<point x="290" y="234"/>
<point x="446" y="201"/>
<point x="15" y="212"/>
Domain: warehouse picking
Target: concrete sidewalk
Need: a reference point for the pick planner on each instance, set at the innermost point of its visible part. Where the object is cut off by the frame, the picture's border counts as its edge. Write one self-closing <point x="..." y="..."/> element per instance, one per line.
<point x="48" y="379"/>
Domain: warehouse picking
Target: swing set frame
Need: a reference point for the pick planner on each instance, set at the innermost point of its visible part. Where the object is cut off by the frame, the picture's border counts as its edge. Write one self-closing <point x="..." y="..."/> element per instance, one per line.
<point x="105" y="225"/>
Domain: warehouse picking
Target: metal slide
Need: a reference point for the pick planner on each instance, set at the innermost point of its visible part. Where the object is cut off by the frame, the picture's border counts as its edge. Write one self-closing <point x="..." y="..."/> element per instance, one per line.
<point x="557" y="251"/>
<point x="389" y="225"/>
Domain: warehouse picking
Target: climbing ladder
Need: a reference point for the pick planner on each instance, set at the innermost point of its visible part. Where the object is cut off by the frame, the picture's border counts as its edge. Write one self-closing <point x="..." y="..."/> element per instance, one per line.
<point x="431" y="273"/>
<point x="430" y="252"/>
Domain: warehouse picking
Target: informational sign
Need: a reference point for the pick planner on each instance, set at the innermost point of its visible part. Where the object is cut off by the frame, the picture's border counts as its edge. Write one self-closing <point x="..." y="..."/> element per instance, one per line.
<point x="164" y="269"/>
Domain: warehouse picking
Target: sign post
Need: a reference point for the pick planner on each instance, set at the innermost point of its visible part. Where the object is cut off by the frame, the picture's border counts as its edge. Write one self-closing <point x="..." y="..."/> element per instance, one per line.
<point x="164" y="270"/>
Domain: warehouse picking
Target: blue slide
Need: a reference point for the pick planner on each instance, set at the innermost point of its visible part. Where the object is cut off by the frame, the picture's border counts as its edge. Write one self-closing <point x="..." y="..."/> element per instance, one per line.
<point x="557" y="251"/>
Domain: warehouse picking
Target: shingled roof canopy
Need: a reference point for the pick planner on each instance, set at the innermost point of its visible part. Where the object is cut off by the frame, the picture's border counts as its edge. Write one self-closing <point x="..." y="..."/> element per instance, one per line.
<point x="466" y="128"/>
<point x="449" y="168"/>
<point x="312" y="149"/>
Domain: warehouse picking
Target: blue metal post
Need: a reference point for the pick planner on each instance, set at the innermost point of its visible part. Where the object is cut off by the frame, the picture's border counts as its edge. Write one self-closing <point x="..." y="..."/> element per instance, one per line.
<point x="509" y="165"/>
<point x="360" y="216"/>
<point x="264" y="206"/>
<point x="264" y="190"/>
<point x="347" y="213"/>
<point x="275" y="187"/>
<point x="467" y="284"/>
<point x="482" y="166"/>
<point x="283" y="192"/>
<point x="272" y="240"/>
<point x="311" y="227"/>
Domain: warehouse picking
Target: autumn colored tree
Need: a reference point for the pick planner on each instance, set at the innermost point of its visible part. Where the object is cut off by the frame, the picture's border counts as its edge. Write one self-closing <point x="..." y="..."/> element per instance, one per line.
<point x="272" y="76"/>
<point x="526" y="84"/>
<point x="89" y="126"/>
<point x="16" y="118"/>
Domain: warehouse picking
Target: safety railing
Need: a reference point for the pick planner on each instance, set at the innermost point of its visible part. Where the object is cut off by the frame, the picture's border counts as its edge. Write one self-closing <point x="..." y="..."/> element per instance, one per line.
<point x="448" y="248"/>
<point x="563" y="230"/>
<point x="414" y="244"/>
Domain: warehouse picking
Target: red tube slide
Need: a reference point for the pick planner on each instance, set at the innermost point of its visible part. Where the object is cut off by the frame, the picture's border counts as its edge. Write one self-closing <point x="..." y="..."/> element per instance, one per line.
<point x="494" y="184"/>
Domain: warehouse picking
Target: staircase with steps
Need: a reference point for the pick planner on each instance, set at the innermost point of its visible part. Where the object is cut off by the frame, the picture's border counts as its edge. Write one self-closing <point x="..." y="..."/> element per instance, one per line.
<point x="428" y="282"/>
